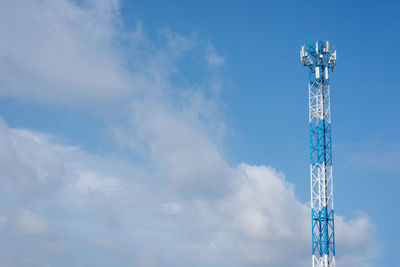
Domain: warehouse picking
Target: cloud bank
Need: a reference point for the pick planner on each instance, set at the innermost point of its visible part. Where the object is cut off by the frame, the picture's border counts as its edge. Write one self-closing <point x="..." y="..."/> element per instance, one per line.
<point x="176" y="201"/>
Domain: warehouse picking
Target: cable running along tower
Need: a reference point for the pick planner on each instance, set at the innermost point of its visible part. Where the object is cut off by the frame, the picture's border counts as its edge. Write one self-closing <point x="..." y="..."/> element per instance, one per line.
<point x="320" y="60"/>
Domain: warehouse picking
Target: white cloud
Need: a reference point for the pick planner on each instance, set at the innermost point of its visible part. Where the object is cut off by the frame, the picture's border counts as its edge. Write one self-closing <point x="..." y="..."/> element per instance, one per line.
<point x="28" y="223"/>
<point x="258" y="221"/>
<point x="170" y="137"/>
<point x="212" y="57"/>
<point x="31" y="165"/>
<point x="172" y="208"/>
<point x="88" y="181"/>
<point x="59" y="52"/>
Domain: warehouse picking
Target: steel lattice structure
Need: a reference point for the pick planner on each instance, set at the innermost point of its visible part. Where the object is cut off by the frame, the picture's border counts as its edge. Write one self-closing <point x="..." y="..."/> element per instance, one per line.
<point x="320" y="60"/>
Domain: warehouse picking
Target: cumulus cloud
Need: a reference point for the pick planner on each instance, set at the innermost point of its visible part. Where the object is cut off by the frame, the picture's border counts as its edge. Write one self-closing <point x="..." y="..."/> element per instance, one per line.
<point x="59" y="52"/>
<point x="132" y="215"/>
<point x="176" y="201"/>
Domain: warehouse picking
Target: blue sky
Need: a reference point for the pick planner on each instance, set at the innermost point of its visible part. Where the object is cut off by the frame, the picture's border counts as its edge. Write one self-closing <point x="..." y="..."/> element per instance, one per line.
<point x="175" y="133"/>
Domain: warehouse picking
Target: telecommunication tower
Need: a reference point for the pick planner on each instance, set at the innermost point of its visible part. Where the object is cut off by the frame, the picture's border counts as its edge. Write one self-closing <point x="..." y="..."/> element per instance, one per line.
<point x="320" y="60"/>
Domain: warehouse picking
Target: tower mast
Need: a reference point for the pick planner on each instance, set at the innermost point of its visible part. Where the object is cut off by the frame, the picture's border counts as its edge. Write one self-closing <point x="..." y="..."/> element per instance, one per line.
<point x="320" y="60"/>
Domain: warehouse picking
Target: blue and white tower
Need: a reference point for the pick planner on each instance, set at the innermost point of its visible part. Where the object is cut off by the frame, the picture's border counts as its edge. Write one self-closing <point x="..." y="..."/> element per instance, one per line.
<point x="320" y="60"/>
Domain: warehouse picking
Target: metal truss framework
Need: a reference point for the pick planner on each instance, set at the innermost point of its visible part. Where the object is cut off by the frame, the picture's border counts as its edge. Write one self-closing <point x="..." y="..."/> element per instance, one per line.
<point x="319" y="60"/>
